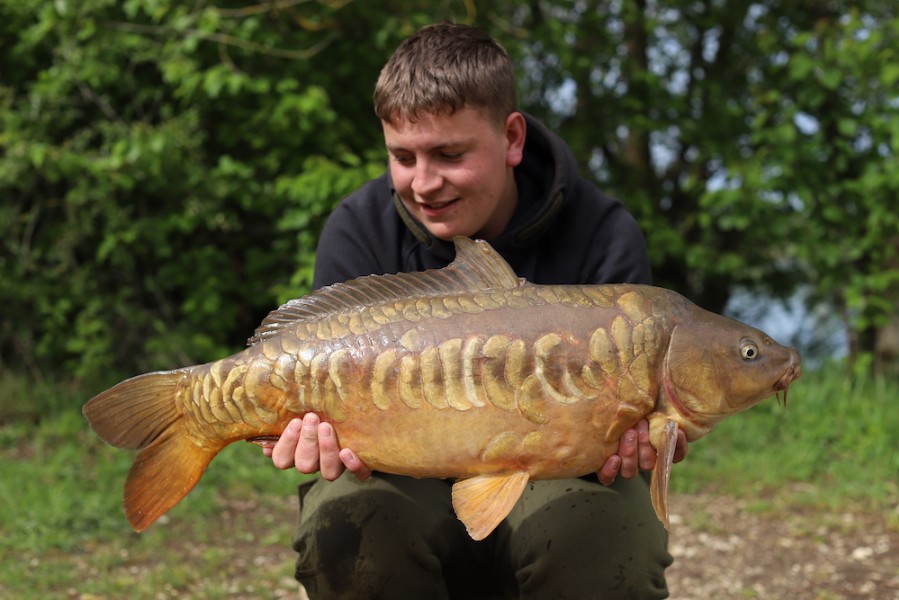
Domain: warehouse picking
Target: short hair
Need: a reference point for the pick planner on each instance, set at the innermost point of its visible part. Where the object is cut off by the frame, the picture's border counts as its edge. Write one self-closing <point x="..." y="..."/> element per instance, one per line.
<point x="443" y="68"/>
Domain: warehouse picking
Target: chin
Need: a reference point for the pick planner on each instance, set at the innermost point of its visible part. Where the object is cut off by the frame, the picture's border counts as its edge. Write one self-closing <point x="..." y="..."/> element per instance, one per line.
<point x="447" y="234"/>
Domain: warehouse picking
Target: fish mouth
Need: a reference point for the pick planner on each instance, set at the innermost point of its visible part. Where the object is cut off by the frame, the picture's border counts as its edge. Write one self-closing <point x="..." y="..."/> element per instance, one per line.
<point x="791" y="374"/>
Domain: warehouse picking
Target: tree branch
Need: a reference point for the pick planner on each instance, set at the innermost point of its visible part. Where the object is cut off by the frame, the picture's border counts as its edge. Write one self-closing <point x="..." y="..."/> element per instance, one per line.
<point x="229" y="40"/>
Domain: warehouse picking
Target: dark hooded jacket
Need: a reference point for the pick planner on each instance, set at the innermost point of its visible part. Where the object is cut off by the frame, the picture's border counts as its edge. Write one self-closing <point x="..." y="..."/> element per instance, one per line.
<point x="564" y="230"/>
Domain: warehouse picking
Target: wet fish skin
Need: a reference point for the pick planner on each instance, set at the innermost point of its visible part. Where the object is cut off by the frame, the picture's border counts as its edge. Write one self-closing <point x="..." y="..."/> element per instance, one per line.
<point x="465" y="372"/>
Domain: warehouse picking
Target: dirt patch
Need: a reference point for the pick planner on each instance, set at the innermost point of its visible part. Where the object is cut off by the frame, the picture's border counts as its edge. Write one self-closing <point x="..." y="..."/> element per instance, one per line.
<point x="723" y="550"/>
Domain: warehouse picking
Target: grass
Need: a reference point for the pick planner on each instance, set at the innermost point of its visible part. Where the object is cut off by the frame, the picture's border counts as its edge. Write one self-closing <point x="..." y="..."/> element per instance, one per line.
<point x="835" y="444"/>
<point x="63" y="533"/>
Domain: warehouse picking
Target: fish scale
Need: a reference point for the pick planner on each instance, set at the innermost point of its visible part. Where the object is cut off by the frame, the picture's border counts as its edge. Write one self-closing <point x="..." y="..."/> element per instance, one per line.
<point x="434" y="374"/>
<point x="466" y="372"/>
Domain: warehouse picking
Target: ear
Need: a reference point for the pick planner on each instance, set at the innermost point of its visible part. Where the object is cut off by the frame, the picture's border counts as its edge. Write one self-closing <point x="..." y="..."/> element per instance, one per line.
<point x="515" y="132"/>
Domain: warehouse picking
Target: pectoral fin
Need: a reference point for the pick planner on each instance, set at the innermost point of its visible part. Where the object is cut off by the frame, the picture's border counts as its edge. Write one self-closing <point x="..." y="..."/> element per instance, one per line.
<point x="661" y="474"/>
<point x="482" y="502"/>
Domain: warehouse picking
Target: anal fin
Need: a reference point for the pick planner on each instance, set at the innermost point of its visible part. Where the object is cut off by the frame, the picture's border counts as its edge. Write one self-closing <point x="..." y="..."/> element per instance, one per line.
<point x="661" y="474"/>
<point x="483" y="501"/>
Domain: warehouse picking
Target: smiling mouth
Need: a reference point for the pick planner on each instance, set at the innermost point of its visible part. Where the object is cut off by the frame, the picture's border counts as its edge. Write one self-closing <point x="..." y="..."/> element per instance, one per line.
<point x="436" y="206"/>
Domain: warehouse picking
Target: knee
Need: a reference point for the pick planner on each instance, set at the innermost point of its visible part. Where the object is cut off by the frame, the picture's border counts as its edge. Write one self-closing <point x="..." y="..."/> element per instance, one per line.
<point x="361" y="528"/>
<point x="584" y="545"/>
<point x="362" y="544"/>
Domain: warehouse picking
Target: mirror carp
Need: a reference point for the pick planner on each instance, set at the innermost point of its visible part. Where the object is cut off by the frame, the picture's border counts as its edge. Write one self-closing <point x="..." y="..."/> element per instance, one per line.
<point x="465" y="372"/>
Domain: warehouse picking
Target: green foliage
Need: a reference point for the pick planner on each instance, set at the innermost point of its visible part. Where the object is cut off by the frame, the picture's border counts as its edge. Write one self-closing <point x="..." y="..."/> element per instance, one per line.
<point x="831" y="130"/>
<point x="169" y="167"/>
<point x="755" y="142"/>
<point x="657" y="113"/>
<point x="166" y="167"/>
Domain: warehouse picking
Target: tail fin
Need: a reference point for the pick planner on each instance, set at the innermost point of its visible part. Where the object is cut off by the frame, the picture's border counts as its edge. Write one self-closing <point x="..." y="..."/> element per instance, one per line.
<point x="141" y="414"/>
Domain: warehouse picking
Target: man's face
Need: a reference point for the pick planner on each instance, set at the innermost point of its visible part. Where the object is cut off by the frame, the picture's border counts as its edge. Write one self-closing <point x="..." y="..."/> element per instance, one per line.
<point x="453" y="172"/>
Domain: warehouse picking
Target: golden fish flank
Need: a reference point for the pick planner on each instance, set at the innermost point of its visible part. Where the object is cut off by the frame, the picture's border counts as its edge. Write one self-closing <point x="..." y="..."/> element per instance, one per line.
<point x="465" y="372"/>
<point x="458" y="374"/>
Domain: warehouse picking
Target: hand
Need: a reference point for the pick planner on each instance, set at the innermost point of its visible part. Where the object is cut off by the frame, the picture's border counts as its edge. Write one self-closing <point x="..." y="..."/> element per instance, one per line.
<point x="636" y="453"/>
<point x="309" y="445"/>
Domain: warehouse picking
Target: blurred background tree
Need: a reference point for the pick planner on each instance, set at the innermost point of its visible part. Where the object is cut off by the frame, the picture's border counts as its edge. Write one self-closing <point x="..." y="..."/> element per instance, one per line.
<point x="165" y="168"/>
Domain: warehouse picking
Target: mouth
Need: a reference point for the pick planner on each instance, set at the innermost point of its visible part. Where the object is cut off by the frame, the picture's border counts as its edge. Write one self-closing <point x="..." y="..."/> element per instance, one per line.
<point x="433" y="209"/>
<point x="782" y="385"/>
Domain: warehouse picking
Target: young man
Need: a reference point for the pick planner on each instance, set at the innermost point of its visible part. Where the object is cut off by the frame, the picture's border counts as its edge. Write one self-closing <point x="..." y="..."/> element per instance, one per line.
<point x="464" y="161"/>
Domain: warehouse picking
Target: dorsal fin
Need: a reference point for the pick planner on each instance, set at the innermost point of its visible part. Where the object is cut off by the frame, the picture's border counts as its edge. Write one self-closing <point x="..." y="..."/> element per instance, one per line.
<point x="477" y="267"/>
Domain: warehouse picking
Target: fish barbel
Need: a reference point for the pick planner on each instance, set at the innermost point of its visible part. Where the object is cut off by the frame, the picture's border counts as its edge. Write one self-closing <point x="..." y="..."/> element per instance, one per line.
<point x="465" y="372"/>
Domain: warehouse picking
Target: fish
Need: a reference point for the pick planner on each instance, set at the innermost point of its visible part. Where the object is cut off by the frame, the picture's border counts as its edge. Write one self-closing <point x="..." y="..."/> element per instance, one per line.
<point x="467" y="373"/>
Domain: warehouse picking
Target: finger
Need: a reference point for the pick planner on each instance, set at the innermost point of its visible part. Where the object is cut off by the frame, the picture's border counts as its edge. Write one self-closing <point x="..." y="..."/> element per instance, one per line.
<point x="627" y="450"/>
<point x="682" y="447"/>
<point x="646" y="453"/>
<point x="306" y="453"/>
<point x="609" y="470"/>
<point x="354" y="464"/>
<point x="283" y="450"/>
<point x="330" y="465"/>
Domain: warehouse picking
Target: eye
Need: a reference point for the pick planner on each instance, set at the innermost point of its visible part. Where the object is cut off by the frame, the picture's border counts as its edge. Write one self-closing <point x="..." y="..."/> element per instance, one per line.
<point x="748" y="350"/>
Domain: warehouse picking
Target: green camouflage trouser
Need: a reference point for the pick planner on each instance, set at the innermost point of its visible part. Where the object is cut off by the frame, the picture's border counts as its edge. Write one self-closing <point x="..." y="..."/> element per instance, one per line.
<point x="398" y="537"/>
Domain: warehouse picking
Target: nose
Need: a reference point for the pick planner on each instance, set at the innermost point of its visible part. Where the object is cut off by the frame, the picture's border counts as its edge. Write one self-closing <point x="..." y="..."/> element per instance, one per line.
<point x="426" y="179"/>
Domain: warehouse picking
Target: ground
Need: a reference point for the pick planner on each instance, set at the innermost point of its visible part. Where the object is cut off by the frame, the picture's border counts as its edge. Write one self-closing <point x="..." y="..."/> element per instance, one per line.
<point x="724" y="549"/>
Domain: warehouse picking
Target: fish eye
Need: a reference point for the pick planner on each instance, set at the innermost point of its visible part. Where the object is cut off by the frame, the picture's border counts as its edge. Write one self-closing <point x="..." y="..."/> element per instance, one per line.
<point x="748" y="350"/>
